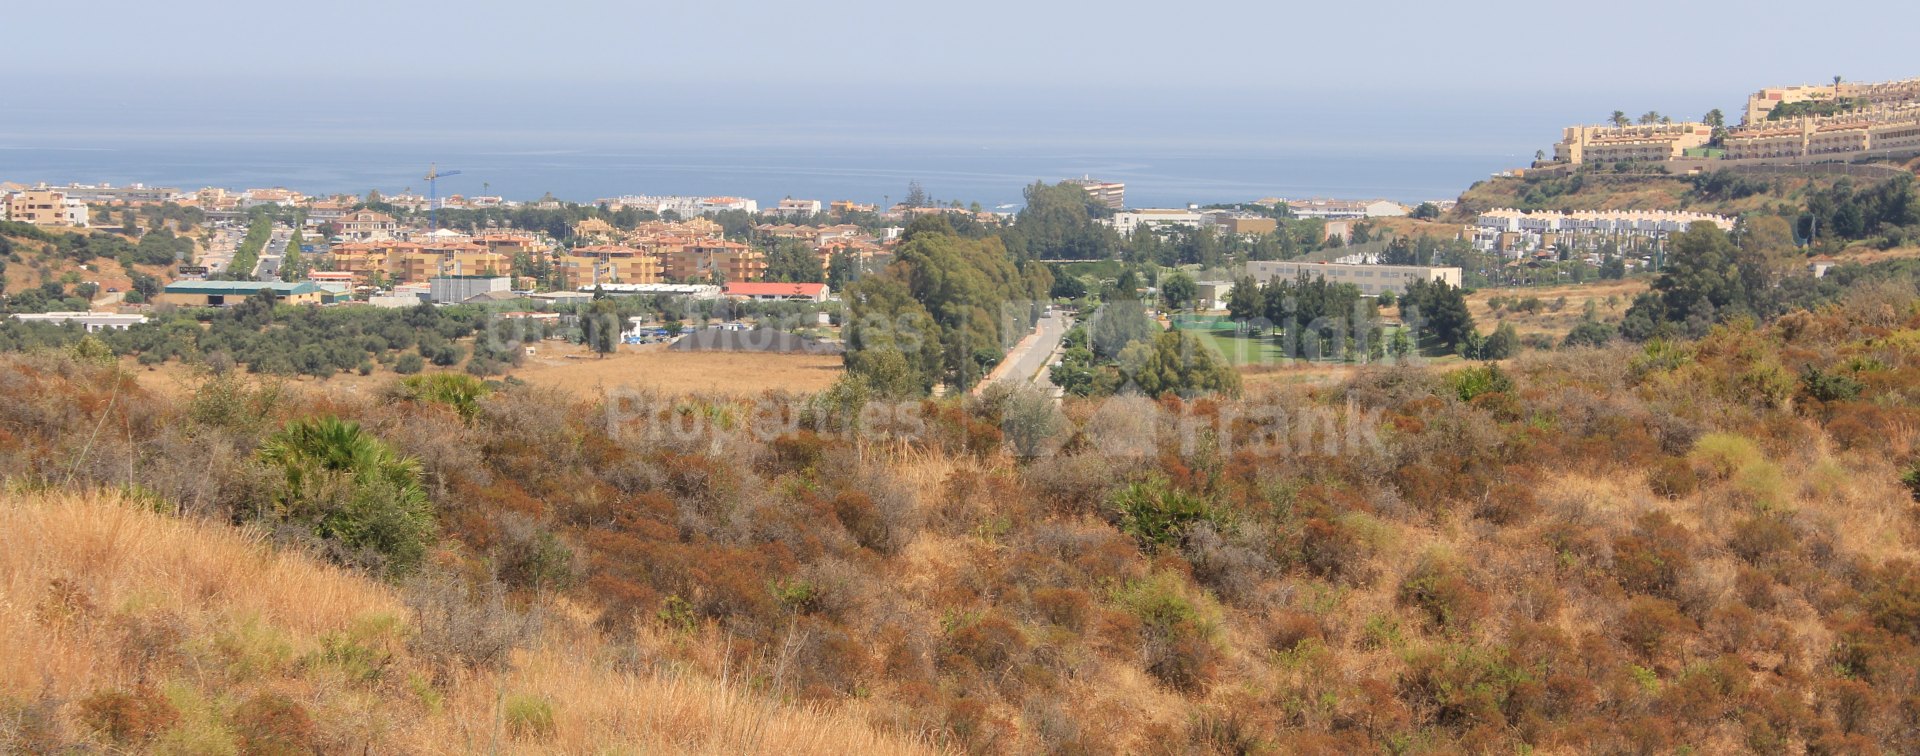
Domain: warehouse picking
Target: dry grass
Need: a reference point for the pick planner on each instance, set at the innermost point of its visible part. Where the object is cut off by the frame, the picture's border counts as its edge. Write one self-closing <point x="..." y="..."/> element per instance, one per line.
<point x="97" y="594"/>
<point x="1546" y="321"/>
<point x="576" y="371"/>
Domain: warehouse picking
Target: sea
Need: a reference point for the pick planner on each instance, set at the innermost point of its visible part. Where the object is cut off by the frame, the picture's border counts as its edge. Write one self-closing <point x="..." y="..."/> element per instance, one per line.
<point x="1169" y="155"/>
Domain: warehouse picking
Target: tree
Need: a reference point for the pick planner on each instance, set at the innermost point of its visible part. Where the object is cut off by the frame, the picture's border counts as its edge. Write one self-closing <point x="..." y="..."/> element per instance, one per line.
<point x="1619" y="118"/>
<point x="292" y="266"/>
<point x="1177" y="363"/>
<point x="916" y="196"/>
<point x="1440" y="310"/>
<point x="1650" y="117"/>
<point x="1244" y="302"/>
<point x="601" y="326"/>
<point x="1178" y="291"/>
<point x="1539" y="155"/>
<point x="791" y="261"/>
<point x="1430" y="211"/>
<point x="1117" y="325"/>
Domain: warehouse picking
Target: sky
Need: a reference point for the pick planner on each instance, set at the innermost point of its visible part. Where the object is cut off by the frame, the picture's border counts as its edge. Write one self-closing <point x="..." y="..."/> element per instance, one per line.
<point x="1486" y="49"/>
<point x="1495" y="80"/>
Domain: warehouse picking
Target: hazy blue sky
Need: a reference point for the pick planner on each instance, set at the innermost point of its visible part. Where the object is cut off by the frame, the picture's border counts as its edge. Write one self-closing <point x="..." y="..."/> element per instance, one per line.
<point x="1480" y="84"/>
<point x="1474" y="49"/>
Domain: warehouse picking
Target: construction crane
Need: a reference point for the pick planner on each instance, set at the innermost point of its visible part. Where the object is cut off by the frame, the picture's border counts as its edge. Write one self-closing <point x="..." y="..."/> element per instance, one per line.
<point x="434" y="174"/>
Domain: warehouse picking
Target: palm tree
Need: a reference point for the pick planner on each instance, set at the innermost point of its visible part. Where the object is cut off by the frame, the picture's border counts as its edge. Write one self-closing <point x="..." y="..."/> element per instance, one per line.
<point x="1619" y="118"/>
<point x="351" y="488"/>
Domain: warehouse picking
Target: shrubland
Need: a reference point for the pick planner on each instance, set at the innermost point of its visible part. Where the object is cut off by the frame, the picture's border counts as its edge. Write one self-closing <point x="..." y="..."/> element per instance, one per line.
<point x="1691" y="543"/>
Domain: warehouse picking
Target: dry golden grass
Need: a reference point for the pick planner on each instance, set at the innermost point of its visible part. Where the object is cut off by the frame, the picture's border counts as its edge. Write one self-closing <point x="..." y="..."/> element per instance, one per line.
<point x="1546" y="321"/>
<point x="576" y="371"/>
<point x="97" y="593"/>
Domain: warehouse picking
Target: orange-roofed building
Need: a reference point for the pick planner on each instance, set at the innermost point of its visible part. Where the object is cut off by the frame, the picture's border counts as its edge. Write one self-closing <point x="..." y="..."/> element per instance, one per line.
<point x="778" y="292"/>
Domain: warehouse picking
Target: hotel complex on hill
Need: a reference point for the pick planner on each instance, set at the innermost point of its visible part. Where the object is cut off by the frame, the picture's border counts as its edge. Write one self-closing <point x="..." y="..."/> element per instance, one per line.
<point x="1781" y="125"/>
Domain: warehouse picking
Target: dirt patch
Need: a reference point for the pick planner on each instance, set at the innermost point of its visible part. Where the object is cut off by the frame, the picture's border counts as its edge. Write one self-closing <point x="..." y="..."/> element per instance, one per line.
<point x="575" y="370"/>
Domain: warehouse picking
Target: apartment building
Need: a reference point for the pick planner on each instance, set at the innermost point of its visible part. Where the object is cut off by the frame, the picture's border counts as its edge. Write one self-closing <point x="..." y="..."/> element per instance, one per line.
<point x="131" y="194"/>
<point x="1761" y="104"/>
<point x="1890" y="128"/>
<point x="367" y="225"/>
<point x="1654" y="142"/>
<point x="45" y="207"/>
<point x="1345" y="209"/>
<point x="607" y="263"/>
<point x="408" y="262"/>
<point x="1113" y="194"/>
<point x="1516" y="233"/>
<point x="841" y="207"/>
<point x="699" y="259"/>
<point x="1371" y="279"/>
<point x="791" y="207"/>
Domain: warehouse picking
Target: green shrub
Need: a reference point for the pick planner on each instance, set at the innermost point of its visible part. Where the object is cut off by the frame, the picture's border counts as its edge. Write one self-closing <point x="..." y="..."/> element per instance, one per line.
<point x="460" y="392"/>
<point x="528" y="716"/>
<point x="1158" y="515"/>
<point x="352" y="490"/>
<point x="1478" y="380"/>
<point x="409" y="364"/>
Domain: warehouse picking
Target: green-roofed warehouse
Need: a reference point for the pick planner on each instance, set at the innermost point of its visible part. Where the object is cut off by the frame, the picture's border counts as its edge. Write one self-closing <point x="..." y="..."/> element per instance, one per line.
<point x="223" y="293"/>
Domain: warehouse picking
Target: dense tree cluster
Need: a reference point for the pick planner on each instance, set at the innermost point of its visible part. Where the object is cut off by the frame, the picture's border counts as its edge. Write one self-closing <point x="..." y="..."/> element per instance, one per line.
<point x="943" y="312"/>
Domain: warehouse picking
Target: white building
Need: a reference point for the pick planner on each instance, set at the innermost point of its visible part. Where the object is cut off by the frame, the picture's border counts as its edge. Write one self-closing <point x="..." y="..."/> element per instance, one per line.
<point x="1335" y="208"/>
<point x="1516" y="233"/>
<point x="1126" y="222"/>
<point x="93" y="321"/>
<point x="1371" y="279"/>
<point x="685" y="207"/>
<point x="790" y="207"/>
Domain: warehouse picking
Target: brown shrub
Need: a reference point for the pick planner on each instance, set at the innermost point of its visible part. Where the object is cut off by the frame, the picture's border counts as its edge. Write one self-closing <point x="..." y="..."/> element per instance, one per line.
<point x="1758" y="539"/>
<point x="1070" y="608"/>
<point x="988" y="641"/>
<point x="862" y="520"/>
<point x="1287" y="630"/>
<point x="1441" y="590"/>
<point x="1330" y="550"/>
<point x="271" y="724"/>
<point x="128" y="718"/>
<point x="1653" y="557"/>
<point x="1673" y="478"/>
<point x="1651" y="622"/>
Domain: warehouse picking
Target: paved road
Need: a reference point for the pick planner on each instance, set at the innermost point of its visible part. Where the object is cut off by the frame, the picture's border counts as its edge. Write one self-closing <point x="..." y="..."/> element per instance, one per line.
<point x="1029" y="359"/>
<point x="269" y="267"/>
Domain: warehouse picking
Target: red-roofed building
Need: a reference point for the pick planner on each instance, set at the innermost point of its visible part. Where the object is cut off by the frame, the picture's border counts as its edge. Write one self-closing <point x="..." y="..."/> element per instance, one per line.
<point x="778" y="292"/>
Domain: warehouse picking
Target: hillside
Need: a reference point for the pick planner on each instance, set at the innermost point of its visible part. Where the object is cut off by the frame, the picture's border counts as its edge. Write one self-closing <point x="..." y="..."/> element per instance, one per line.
<point x="1683" y="545"/>
<point x="126" y="630"/>
<point x="1598" y="190"/>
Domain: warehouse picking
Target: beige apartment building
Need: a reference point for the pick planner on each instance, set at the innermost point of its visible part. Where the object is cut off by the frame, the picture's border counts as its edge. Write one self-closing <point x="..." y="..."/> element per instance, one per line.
<point x="1371" y="279"/>
<point x="44" y="207"/>
<point x="407" y="262"/>
<point x="1654" y="142"/>
<point x="607" y="263"/>
<point x="1761" y="104"/>
<point x="1886" y="128"/>
<point x="697" y="260"/>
